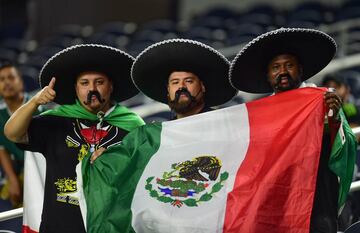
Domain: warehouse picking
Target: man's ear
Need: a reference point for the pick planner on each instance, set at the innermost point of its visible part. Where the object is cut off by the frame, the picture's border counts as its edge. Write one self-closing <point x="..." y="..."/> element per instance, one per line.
<point x="268" y="78"/>
<point x="301" y="70"/>
<point x="203" y="89"/>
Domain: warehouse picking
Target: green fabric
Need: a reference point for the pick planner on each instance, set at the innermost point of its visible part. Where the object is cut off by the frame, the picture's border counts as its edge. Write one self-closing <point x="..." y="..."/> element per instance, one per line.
<point x="109" y="184"/>
<point x="342" y="158"/>
<point x="349" y="109"/>
<point x="6" y="143"/>
<point x="120" y="117"/>
<point x="9" y="145"/>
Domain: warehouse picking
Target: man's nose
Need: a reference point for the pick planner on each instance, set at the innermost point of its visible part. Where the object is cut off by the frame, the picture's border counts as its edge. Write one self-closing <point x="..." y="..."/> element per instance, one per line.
<point x="92" y="87"/>
<point x="7" y="81"/>
<point x="283" y="70"/>
<point x="183" y="84"/>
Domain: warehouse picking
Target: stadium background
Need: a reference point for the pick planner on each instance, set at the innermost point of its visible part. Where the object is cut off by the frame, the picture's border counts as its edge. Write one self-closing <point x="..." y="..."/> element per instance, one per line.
<point x="32" y="31"/>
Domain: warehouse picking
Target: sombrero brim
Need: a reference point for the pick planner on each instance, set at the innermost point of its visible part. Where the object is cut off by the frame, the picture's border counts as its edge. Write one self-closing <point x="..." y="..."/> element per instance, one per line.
<point x="314" y="50"/>
<point x="66" y="65"/>
<point x="152" y="67"/>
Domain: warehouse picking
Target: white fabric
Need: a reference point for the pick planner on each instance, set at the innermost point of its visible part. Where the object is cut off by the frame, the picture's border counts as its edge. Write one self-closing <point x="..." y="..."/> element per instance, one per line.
<point x="187" y="136"/>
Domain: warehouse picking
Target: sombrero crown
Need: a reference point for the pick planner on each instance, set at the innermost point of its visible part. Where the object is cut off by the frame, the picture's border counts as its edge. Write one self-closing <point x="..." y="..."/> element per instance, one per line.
<point x="314" y="50"/>
<point x="153" y="66"/>
<point x="67" y="64"/>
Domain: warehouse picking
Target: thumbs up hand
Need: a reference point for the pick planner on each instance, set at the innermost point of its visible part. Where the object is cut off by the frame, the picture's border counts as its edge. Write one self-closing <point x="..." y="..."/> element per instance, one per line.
<point x="47" y="94"/>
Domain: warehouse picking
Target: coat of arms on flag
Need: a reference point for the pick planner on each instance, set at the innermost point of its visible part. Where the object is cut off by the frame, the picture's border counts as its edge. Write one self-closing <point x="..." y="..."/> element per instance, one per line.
<point x="190" y="182"/>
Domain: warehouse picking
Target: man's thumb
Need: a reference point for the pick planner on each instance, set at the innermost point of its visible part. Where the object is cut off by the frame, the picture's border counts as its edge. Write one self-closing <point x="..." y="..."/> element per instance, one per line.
<point x="52" y="83"/>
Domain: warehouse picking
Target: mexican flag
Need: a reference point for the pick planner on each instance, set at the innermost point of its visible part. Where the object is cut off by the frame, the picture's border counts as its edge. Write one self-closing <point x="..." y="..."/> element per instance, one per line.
<point x="249" y="168"/>
<point x="34" y="185"/>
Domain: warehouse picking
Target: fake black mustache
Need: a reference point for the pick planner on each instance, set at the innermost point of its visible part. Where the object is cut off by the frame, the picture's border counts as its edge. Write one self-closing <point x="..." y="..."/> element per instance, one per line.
<point x="292" y="82"/>
<point x="279" y="77"/>
<point x="96" y="94"/>
<point x="183" y="91"/>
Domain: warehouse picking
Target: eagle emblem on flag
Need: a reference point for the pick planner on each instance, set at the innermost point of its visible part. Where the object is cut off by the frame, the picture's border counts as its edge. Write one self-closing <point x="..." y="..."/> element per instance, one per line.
<point x="188" y="183"/>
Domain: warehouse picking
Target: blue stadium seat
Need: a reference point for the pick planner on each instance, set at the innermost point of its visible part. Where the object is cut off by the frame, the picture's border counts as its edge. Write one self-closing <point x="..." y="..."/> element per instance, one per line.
<point x="62" y="41"/>
<point x="135" y="48"/>
<point x="263" y="9"/>
<point x="210" y="22"/>
<point x="314" y="5"/>
<point x="312" y="16"/>
<point x="118" y="28"/>
<point x="162" y="25"/>
<point x="110" y="39"/>
<point x="301" y="24"/>
<point x="205" y="34"/>
<point x="263" y="20"/>
<point x="244" y="33"/>
<point x="149" y="35"/>
<point x="349" y="10"/>
<point x="46" y="51"/>
<point x="36" y="61"/>
<point x="220" y="12"/>
<point x="73" y="30"/>
<point x="355" y="228"/>
<point x="8" y="54"/>
<point x="30" y="76"/>
<point x="16" y="44"/>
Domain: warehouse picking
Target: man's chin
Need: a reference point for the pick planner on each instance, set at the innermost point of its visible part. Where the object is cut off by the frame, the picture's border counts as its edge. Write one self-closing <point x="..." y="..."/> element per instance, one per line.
<point x="287" y="87"/>
<point x="181" y="107"/>
<point x="93" y="107"/>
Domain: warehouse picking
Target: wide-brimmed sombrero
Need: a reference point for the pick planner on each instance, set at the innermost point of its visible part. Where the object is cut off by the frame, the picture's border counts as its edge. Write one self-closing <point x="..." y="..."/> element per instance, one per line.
<point x="314" y="50"/>
<point x="152" y="67"/>
<point x="67" y="64"/>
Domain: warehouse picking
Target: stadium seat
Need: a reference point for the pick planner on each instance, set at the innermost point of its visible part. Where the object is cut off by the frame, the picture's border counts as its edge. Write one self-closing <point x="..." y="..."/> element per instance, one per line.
<point x="163" y="26"/>
<point x="30" y="76"/>
<point x="355" y="228"/>
<point x="118" y="28"/>
<point x="220" y="12"/>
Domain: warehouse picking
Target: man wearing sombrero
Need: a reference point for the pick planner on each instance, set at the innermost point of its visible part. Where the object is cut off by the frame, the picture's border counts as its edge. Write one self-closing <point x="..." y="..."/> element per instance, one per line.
<point x="87" y="81"/>
<point x="279" y="61"/>
<point x="187" y="75"/>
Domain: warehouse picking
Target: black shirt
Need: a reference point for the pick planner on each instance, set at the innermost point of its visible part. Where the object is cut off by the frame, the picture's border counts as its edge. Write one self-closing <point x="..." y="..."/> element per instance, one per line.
<point x="205" y="109"/>
<point x="64" y="142"/>
<point x="325" y="209"/>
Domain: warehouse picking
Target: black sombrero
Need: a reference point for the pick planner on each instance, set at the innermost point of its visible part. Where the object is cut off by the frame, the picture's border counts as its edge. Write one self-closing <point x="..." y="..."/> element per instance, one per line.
<point x="152" y="67"/>
<point x="314" y="50"/>
<point x="67" y="64"/>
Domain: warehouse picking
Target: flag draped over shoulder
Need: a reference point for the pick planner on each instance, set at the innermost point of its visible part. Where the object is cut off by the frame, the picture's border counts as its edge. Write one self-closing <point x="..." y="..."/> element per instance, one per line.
<point x="35" y="163"/>
<point x="119" y="116"/>
<point x="249" y="168"/>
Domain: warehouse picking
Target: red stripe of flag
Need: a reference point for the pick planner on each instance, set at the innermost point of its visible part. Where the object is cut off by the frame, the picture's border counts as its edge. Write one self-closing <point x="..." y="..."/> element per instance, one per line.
<point x="26" y="229"/>
<point x="275" y="185"/>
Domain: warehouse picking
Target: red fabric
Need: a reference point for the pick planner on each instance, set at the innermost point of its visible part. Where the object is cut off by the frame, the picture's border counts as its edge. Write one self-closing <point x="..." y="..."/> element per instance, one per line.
<point x="93" y="135"/>
<point x="26" y="229"/>
<point x="275" y="185"/>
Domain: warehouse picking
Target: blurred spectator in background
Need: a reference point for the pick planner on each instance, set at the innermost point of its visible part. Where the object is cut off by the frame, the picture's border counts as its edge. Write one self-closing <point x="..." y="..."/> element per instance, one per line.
<point x="11" y="157"/>
<point x="343" y="90"/>
<point x="351" y="211"/>
<point x="187" y="75"/>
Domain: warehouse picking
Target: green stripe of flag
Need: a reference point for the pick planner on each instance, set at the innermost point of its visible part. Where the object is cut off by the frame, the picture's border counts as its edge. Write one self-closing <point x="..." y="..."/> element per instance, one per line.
<point x="342" y="157"/>
<point x="112" y="180"/>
